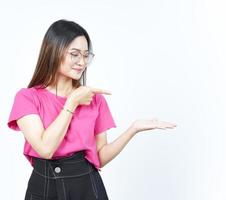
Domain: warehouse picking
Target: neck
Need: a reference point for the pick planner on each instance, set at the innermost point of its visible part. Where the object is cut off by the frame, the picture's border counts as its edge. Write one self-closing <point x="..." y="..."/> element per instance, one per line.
<point x="63" y="87"/>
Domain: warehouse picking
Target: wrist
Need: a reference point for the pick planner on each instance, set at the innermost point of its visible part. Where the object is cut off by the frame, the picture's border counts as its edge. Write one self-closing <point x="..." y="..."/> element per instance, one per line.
<point x="68" y="110"/>
<point x="71" y="104"/>
<point x="132" y="130"/>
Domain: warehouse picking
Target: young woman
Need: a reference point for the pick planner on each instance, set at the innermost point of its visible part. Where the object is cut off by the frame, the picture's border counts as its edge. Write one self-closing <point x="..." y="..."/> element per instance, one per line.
<point x="65" y="122"/>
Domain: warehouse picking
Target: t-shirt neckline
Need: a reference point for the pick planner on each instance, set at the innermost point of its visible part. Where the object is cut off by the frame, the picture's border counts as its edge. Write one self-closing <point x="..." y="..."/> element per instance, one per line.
<point x="51" y="93"/>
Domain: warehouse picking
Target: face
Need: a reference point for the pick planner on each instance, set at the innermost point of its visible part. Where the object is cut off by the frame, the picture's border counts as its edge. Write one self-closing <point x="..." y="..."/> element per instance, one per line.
<point x="72" y="67"/>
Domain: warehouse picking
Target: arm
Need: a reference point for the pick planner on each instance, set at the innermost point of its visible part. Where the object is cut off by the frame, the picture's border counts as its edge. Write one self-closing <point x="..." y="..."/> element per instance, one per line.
<point x="109" y="151"/>
<point x="46" y="141"/>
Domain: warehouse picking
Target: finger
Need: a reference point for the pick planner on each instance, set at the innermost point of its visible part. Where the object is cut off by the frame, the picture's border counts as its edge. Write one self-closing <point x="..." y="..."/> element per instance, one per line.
<point x="173" y="125"/>
<point x="166" y="126"/>
<point x="100" y="91"/>
<point x="170" y="126"/>
<point x="162" y="128"/>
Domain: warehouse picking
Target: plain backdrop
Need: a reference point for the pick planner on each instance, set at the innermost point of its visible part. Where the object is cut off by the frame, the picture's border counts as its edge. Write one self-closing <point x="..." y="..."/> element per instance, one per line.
<point x="163" y="59"/>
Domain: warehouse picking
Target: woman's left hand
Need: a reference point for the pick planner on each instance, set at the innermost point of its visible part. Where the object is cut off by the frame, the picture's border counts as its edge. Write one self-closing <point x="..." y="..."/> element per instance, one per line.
<point x="143" y="125"/>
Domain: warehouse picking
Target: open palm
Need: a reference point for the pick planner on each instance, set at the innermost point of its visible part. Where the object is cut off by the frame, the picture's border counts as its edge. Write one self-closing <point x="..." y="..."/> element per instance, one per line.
<point x="144" y="124"/>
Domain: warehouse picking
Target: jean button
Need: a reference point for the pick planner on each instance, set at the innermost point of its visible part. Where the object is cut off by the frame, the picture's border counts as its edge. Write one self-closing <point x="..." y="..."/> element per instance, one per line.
<point x="57" y="169"/>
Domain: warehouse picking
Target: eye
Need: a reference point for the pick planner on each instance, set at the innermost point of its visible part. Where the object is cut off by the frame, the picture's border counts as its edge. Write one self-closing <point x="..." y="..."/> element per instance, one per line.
<point x="74" y="54"/>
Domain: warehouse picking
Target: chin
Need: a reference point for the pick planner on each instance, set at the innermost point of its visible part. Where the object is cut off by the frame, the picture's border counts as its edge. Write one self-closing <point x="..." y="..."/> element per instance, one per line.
<point x="76" y="77"/>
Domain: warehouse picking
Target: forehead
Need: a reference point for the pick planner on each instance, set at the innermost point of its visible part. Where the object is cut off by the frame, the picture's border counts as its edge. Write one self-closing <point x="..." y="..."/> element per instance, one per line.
<point x="79" y="43"/>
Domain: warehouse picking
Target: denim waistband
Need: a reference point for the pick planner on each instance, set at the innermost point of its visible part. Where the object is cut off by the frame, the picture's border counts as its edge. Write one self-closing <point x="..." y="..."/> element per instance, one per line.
<point x="73" y="166"/>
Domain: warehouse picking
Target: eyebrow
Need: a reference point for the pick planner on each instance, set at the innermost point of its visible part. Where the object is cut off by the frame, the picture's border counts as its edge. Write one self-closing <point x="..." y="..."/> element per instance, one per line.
<point x="77" y="49"/>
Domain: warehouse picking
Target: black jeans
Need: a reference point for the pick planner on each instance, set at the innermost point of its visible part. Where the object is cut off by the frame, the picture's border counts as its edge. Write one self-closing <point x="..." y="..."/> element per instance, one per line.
<point x="68" y="178"/>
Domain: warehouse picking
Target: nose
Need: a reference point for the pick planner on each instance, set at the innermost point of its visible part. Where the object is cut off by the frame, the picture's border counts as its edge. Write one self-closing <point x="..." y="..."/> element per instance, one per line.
<point x="81" y="61"/>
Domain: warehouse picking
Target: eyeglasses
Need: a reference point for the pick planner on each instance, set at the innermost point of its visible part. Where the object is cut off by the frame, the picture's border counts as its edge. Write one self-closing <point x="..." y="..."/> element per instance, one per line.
<point x="77" y="55"/>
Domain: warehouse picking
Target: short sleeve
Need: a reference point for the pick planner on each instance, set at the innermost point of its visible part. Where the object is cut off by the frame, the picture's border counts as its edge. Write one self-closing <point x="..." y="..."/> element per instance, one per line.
<point x="23" y="104"/>
<point x="104" y="120"/>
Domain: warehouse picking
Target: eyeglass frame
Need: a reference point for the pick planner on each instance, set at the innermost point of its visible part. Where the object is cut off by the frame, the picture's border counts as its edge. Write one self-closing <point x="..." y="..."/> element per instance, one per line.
<point x="81" y="56"/>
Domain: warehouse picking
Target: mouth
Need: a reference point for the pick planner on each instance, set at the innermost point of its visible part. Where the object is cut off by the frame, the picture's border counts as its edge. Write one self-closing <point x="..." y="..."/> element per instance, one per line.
<point x="77" y="70"/>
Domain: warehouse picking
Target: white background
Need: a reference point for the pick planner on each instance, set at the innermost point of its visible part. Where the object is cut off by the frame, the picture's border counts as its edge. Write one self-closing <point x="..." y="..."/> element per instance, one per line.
<point x="163" y="59"/>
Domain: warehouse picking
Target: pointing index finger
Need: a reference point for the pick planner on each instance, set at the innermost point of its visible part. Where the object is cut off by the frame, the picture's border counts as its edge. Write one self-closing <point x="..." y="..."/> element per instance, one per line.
<point x="100" y="91"/>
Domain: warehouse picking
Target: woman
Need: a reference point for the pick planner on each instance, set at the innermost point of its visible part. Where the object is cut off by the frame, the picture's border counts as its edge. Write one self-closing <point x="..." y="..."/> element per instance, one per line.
<point x="64" y="122"/>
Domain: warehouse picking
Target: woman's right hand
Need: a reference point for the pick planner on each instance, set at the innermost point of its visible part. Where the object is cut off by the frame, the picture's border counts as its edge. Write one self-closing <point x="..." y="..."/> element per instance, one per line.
<point x="83" y="95"/>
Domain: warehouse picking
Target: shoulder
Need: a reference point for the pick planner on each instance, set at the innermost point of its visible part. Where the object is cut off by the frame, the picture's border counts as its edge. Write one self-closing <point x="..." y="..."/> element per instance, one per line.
<point x="24" y="104"/>
<point x="26" y="93"/>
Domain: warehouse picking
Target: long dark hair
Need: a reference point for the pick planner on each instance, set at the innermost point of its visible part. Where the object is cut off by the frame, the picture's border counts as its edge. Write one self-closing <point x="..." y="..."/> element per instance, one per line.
<point x="57" y="38"/>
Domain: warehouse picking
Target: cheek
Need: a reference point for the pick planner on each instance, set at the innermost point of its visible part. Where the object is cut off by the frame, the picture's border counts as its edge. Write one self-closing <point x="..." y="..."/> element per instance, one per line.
<point x="65" y="67"/>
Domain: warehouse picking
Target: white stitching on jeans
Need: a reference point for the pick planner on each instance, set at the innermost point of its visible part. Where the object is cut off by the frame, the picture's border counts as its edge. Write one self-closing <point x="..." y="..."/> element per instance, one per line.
<point x="93" y="184"/>
<point x="64" y="189"/>
<point x="58" y="177"/>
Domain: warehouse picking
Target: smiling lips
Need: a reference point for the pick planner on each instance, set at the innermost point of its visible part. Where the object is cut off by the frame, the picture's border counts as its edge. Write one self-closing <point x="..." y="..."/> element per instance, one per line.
<point x="78" y="70"/>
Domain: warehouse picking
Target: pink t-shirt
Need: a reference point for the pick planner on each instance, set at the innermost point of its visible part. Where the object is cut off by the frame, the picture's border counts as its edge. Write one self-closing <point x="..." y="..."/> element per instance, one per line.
<point x="87" y="121"/>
